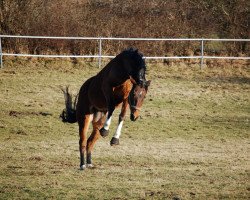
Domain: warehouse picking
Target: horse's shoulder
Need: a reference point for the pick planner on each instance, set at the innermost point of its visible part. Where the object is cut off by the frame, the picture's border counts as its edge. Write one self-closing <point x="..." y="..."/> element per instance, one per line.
<point x="128" y="84"/>
<point x="123" y="89"/>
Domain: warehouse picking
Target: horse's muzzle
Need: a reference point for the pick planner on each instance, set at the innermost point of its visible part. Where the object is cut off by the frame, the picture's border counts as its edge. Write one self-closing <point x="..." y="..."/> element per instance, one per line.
<point x="133" y="118"/>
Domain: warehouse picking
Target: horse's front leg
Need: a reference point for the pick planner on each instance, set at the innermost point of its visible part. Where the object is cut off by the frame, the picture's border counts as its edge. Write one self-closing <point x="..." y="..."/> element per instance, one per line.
<point x="104" y="131"/>
<point x="115" y="138"/>
<point x="83" y="129"/>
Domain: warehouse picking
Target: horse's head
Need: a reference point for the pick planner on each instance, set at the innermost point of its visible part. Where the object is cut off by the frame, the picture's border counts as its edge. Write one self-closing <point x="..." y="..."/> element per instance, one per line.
<point x="136" y="97"/>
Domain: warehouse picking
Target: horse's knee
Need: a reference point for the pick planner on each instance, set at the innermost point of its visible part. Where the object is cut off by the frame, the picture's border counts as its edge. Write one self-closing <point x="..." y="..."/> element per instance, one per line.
<point x="83" y="149"/>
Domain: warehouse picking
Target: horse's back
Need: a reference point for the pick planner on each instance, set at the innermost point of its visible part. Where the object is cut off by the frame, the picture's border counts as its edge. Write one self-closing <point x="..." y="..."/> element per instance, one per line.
<point x="111" y="83"/>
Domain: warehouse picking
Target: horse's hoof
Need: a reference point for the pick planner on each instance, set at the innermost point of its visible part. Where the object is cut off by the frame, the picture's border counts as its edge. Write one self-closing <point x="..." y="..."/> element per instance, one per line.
<point x="83" y="167"/>
<point x="90" y="166"/>
<point x="114" y="141"/>
<point x="104" y="132"/>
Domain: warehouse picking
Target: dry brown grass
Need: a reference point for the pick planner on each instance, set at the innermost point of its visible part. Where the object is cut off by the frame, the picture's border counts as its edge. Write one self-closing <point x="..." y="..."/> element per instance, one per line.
<point x="192" y="141"/>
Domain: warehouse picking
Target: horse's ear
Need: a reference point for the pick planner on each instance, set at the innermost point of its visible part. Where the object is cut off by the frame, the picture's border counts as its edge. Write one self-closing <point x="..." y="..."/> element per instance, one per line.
<point x="147" y="85"/>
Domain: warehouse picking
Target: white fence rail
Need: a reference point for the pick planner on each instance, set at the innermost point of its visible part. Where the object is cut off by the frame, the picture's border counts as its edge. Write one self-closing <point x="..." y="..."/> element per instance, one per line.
<point x="100" y="39"/>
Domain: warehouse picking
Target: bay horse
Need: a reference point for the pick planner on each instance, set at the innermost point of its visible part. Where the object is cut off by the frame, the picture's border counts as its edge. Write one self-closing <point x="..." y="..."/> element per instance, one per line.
<point x="121" y="81"/>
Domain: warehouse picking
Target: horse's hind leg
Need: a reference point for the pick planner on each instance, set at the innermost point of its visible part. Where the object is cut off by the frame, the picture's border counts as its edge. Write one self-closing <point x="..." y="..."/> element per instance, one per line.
<point x="97" y="122"/>
<point x="83" y="129"/>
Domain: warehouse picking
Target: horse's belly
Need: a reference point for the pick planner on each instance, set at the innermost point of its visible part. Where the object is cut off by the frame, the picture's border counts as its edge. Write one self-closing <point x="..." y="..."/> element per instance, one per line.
<point x="97" y="98"/>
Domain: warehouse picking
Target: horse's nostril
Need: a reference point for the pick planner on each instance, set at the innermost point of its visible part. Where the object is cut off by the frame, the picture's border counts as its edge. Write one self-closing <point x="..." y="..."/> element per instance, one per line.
<point x="132" y="117"/>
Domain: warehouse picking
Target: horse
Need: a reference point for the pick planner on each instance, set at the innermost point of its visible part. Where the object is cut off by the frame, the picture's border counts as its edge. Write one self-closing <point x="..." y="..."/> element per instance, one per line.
<point x="121" y="81"/>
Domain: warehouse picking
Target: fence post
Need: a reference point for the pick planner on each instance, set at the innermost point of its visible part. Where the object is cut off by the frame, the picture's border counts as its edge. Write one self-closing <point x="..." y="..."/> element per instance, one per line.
<point x="100" y="53"/>
<point x="1" y="54"/>
<point x="202" y="53"/>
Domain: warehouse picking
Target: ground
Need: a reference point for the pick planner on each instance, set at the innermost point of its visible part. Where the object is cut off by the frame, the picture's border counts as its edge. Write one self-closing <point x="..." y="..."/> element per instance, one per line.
<point x="191" y="142"/>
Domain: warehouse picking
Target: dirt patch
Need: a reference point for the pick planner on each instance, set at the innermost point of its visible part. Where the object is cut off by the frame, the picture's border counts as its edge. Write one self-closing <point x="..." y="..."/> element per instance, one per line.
<point x="18" y="114"/>
<point x="36" y="158"/>
<point x="9" y="72"/>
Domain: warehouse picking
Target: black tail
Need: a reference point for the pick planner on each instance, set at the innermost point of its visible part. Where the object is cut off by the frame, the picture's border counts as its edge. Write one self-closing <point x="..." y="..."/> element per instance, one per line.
<point x="69" y="113"/>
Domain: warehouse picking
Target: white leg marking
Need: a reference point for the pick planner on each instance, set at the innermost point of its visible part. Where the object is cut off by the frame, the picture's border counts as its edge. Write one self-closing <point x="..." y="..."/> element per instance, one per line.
<point x="118" y="130"/>
<point x="90" y="166"/>
<point x="83" y="167"/>
<point x="107" y="124"/>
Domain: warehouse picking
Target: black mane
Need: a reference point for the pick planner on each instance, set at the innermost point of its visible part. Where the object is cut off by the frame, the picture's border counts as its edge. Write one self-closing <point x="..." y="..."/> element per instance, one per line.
<point x="138" y="57"/>
<point x="136" y="64"/>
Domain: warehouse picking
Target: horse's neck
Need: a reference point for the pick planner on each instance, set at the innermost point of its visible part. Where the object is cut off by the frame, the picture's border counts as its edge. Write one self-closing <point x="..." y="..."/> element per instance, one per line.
<point x="115" y="72"/>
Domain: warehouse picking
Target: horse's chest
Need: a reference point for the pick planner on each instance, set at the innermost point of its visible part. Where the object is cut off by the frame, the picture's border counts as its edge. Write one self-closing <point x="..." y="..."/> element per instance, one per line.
<point x="120" y="93"/>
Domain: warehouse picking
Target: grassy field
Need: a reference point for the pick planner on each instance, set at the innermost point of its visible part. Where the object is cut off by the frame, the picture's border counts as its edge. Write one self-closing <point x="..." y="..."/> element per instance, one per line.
<point x="192" y="141"/>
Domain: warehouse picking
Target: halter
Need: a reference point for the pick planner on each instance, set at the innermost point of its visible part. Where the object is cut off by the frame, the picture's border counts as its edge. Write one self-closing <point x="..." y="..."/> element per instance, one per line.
<point x="132" y="106"/>
<point x="141" y="82"/>
<point x="135" y="107"/>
